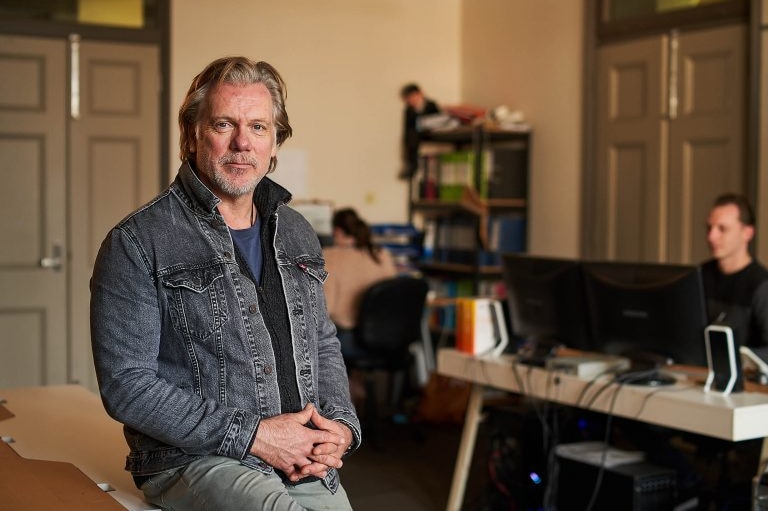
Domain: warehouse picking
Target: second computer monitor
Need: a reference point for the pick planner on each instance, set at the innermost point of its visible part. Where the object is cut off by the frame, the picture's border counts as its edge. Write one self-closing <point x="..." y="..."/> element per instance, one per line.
<point x="638" y="309"/>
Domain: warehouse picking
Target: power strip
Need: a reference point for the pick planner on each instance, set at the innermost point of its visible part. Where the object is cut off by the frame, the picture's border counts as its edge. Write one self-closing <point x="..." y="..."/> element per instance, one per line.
<point x="587" y="366"/>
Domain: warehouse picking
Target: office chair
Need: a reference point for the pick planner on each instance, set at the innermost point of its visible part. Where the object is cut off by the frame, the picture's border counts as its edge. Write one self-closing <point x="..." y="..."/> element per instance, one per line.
<point x="389" y="321"/>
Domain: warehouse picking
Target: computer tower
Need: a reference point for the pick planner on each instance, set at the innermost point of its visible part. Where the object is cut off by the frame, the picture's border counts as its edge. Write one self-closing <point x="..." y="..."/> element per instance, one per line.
<point x="636" y="486"/>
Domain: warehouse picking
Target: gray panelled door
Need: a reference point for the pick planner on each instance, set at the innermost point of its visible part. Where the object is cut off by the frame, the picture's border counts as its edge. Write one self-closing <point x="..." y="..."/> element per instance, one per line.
<point x="73" y="167"/>
<point x="671" y="114"/>
<point x="33" y="276"/>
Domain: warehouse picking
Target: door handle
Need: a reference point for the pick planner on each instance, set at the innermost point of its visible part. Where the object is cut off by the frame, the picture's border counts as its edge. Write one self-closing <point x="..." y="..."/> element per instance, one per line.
<point x="74" y="76"/>
<point x="674" y="75"/>
<point x="54" y="261"/>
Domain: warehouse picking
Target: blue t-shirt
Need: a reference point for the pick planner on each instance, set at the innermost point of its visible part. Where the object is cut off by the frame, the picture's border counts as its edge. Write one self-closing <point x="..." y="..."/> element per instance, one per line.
<point x="249" y="244"/>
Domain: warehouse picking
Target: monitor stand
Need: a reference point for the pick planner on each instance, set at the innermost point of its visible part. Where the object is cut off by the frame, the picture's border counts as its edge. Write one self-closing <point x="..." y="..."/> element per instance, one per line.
<point x="646" y="370"/>
<point x="649" y="378"/>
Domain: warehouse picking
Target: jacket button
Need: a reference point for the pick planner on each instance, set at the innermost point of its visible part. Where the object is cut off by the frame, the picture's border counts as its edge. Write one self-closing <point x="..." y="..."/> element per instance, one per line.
<point x="253" y="308"/>
<point x="227" y="255"/>
<point x="268" y="370"/>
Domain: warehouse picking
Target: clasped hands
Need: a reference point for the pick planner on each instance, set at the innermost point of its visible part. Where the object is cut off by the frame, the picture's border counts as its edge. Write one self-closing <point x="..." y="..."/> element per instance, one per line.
<point x="288" y="443"/>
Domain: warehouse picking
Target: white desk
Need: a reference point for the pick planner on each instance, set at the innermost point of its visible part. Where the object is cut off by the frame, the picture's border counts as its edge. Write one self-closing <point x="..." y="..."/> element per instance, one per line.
<point x="683" y="406"/>
<point x="68" y="423"/>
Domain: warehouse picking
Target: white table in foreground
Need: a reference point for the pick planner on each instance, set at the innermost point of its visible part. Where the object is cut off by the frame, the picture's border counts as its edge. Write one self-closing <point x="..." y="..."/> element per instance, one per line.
<point x="683" y="406"/>
<point x="68" y="423"/>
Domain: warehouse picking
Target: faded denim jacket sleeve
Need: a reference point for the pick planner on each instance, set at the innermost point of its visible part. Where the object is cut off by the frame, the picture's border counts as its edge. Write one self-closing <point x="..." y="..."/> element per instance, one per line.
<point x="127" y="325"/>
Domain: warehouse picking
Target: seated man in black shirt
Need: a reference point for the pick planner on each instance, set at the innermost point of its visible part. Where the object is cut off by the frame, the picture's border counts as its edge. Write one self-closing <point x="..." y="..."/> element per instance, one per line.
<point x="735" y="284"/>
<point x="736" y="288"/>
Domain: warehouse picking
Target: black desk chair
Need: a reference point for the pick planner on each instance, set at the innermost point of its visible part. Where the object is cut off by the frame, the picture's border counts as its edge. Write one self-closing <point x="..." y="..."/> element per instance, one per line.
<point x="389" y="321"/>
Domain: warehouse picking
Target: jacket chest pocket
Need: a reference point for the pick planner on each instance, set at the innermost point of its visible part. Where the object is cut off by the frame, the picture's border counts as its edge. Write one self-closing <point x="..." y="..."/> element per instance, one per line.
<point x="197" y="300"/>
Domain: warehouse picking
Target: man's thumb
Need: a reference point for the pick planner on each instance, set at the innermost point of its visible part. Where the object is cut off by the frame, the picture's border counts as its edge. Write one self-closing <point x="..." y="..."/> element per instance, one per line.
<point x="306" y="413"/>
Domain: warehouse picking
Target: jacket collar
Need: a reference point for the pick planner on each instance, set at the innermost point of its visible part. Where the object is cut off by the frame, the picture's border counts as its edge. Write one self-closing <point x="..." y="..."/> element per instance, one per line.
<point x="268" y="195"/>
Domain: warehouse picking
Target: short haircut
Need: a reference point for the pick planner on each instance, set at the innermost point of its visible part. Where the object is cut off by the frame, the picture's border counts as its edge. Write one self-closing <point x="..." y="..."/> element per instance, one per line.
<point x="409" y="89"/>
<point x="746" y="213"/>
<point x="235" y="71"/>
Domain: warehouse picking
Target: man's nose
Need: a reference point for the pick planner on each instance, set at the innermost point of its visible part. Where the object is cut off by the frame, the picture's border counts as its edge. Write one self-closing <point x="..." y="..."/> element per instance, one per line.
<point x="241" y="141"/>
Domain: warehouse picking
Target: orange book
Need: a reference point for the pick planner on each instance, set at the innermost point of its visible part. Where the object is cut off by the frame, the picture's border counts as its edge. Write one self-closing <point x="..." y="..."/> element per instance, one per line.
<point x="480" y="327"/>
<point x="463" y="324"/>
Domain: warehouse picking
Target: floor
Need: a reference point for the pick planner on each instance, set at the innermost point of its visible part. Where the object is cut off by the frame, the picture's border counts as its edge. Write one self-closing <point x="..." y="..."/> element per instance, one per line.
<point x="409" y="467"/>
<point x="412" y="470"/>
<point x="408" y="471"/>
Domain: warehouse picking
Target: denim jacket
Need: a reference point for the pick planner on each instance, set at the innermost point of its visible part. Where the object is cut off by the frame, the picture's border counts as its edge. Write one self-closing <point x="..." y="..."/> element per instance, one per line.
<point x="182" y="353"/>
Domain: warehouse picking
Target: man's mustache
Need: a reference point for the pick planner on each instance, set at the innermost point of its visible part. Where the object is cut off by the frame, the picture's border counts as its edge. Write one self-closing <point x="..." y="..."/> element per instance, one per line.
<point x="238" y="160"/>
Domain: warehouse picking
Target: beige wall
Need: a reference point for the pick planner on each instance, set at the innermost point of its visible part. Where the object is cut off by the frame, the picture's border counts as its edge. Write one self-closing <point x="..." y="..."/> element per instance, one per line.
<point x="344" y="62"/>
<point x="762" y="153"/>
<point x="528" y="55"/>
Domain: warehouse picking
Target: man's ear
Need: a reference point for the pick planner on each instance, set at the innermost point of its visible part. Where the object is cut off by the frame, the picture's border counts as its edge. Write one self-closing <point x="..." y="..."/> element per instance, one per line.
<point x="191" y="141"/>
<point x="749" y="232"/>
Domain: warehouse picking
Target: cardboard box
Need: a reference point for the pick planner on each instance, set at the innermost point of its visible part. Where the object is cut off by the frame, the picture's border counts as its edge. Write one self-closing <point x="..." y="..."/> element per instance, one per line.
<point x="28" y="485"/>
<point x="61" y="451"/>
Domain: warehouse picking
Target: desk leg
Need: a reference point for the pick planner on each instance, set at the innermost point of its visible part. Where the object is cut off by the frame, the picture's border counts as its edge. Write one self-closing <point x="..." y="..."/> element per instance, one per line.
<point x="466" y="448"/>
<point x="762" y="467"/>
<point x="426" y="341"/>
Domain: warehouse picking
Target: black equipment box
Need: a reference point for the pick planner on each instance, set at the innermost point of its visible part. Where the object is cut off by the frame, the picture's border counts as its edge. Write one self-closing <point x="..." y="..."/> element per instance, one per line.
<point x="636" y="486"/>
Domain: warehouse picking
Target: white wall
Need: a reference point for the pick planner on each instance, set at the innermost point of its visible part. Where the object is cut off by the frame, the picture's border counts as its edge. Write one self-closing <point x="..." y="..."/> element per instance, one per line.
<point x="528" y="55"/>
<point x="344" y="62"/>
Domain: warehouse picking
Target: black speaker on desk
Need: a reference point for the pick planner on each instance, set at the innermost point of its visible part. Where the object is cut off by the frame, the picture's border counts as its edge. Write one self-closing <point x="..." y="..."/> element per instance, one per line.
<point x="636" y="486"/>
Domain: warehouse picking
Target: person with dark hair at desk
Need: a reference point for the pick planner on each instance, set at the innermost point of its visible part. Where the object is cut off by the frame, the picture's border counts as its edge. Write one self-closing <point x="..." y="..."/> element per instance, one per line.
<point x="354" y="263"/>
<point x="735" y="284"/>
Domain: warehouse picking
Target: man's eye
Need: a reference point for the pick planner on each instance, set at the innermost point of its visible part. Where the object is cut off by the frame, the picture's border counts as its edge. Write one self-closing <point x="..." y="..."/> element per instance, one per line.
<point x="221" y="125"/>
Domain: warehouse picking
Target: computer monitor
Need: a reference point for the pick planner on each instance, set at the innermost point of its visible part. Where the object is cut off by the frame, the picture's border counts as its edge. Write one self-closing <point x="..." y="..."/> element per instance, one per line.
<point x="546" y="300"/>
<point x="639" y="309"/>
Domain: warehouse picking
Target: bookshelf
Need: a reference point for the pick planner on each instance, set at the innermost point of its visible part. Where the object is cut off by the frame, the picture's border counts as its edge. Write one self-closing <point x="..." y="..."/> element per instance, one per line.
<point x="470" y="198"/>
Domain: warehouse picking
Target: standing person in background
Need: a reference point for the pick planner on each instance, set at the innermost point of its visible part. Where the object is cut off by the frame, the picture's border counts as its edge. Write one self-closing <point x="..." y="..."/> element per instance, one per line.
<point x="353" y="264"/>
<point x="211" y="338"/>
<point x="416" y="105"/>
<point x="735" y="284"/>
